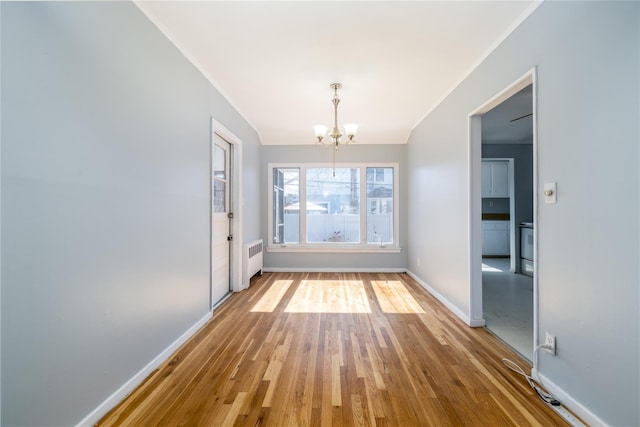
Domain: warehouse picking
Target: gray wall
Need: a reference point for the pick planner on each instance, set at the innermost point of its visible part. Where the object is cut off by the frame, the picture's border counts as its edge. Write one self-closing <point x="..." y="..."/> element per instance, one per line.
<point x="587" y="59"/>
<point x="105" y="202"/>
<point x="522" y="155"/>
<point x="350" y="153"/>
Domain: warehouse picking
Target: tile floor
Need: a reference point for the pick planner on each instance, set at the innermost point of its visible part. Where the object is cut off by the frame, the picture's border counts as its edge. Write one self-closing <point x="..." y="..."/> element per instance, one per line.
<point x="507" y="300"/>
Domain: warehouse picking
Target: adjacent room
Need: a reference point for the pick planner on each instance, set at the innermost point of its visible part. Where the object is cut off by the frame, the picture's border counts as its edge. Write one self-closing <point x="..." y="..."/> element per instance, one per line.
<point x="507" y="221"/>
<point x="320" y="213"/>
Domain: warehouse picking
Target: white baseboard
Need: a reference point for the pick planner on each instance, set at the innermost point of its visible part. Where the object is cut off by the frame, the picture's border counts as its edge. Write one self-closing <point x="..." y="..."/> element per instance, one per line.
<point x="333" y="270"/>
<point x="452" y="307"/>
<point x="138" y="378"/>
<point x="219" y="303"/>
<point x="569" y="402"/>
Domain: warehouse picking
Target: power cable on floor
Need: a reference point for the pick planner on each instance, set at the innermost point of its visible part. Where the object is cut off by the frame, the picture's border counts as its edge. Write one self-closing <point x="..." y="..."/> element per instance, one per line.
<point x="536" y="385"/>
<point x="543" y="394"/>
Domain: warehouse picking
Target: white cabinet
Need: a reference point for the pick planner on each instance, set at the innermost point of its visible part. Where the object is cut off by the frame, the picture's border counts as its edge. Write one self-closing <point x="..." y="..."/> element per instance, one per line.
<point x="495" y="238"/>
<point x="495" y="178"/>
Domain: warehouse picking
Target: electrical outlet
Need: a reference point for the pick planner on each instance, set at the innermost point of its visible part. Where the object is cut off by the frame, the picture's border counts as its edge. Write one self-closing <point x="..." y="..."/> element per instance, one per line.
<point x="550" y="342"/>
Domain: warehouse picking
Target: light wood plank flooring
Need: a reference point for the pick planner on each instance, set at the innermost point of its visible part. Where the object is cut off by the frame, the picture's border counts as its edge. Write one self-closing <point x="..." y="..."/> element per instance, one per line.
<point x="329" y="349"/>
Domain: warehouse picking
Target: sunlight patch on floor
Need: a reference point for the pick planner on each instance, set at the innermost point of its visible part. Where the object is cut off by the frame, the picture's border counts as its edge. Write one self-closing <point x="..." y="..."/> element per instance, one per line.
<point x="488" y="268"/>
<point x="394" y="297"/>
<point x="329" y="296"/>
<point x="272" y="297"/>
<point x="339" y="296"/>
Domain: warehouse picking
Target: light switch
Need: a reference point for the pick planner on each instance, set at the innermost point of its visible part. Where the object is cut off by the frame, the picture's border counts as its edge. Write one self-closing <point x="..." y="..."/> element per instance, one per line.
<point x="550" y="192"/>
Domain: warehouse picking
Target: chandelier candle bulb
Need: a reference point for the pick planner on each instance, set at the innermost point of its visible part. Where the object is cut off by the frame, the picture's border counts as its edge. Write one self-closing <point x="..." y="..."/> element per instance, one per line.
<point x="350" y="129"/>
<point x="320" y="131"/>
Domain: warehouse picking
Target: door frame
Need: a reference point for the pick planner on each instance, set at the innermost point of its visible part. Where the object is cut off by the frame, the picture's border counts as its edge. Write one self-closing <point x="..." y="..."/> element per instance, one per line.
<point x="235" y="253"/>
<point x="476" y="315"/>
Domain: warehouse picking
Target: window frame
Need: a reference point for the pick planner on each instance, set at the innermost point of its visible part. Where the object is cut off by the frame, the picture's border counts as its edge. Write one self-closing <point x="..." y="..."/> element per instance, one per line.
<point x="338" y="247"/>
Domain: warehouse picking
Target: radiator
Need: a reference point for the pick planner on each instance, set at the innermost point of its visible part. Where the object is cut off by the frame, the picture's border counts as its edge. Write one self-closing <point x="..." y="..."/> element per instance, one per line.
<point x="252" y="261"/>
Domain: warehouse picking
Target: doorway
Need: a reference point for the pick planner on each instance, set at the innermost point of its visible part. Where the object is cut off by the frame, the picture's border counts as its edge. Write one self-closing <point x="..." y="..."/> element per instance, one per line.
<point x="226" y="214"/>
<point x="502" y="133"/>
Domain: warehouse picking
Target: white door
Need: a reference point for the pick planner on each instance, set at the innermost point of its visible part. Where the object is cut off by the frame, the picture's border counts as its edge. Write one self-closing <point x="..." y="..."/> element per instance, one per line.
<point x="220" y="220"/>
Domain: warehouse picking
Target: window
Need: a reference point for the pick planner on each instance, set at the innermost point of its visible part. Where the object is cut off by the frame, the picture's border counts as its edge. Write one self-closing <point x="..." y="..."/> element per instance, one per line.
<point x="339" y="221"/>
<point x="349" y="208"/>
<point x="286" y="205"/>
<point x="219" y="179"/>
<point x="380" y="199"/>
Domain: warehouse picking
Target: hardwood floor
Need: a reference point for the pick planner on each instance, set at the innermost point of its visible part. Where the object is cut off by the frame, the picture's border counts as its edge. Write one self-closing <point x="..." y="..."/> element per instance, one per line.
<point x="329" y="349"/>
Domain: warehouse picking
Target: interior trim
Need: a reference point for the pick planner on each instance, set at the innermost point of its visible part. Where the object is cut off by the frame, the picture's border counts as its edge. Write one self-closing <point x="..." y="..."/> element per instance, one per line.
<point x="481" y="59"/>
<point x="189" y="56"/>
<point x="579" y="409"/>
<point x="475" y="200"/>
<point x="452" y="307"/>
<point x="235" y="258"/>
<point x="333" y="270"/>
<point x="369" y="249"/>
<point x="129" y="386"/>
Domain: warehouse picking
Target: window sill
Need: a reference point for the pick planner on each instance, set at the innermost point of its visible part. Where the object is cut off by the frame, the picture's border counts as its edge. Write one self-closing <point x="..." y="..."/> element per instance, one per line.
<point x="369" y="249"/>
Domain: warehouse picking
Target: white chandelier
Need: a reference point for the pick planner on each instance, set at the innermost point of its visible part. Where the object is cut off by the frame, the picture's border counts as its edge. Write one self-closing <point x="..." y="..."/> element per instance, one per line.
<point x="335" y="135"/>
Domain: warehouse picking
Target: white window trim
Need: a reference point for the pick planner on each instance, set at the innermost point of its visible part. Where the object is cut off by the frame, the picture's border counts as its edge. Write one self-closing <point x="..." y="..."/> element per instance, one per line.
<point x="303" y="246"/>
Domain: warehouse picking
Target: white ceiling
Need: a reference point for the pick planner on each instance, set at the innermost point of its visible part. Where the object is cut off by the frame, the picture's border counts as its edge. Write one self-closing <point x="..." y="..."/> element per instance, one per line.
<point x="274" y="61"/>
